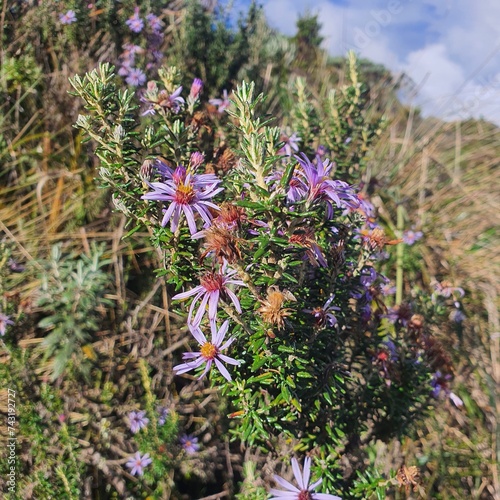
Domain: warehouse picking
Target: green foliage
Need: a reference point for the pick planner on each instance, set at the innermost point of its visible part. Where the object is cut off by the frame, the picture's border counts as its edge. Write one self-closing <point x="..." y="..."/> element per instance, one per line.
<point x="71" y="297"/>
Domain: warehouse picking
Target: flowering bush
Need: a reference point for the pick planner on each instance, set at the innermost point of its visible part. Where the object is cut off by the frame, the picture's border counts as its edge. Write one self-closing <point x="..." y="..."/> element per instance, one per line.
<point x="279" y="253"/>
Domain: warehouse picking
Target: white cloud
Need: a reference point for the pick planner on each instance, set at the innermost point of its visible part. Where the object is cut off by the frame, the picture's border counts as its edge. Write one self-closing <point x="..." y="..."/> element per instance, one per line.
<point x="450" y="48"/>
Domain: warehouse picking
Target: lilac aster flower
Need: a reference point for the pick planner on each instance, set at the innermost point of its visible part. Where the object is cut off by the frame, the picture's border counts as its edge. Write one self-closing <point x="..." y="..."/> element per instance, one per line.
<point x="410" y="236"/>
<point x="222" y="104"/>
<point x="189" y="443"/>
<point x="196" y="88"/>
<point x="321" y="187"/>
<point x="368" y="276"/>
<point x="306" y="491"/>
<point x="154" y="22"/>
<point x="456" y="315"/>
<point x="134" y="22"/>
<point x="213" y="286"/>
<point x="321" y="151"/>
<point x="210" y="352"/>
<point x="196" y="159"/>
<point x="4" y="322"/>
<point x="291" y="144"/>
<point x="137" y="421"/>
<point x="68" y="17"/>
<point x="162" y="415"/>
<point x="388" y="289"/>
<point x="125" y="68"/>
<point x="446" y="290"/>
<point x="186" y="193"/>
<point x="324" y="315"/>
<point x="15" y="267"/>
<point x="174" y="101"/>
<point x="439" y="383"/>
<point x="136" y="463"/>
<point x="135" y="77"/>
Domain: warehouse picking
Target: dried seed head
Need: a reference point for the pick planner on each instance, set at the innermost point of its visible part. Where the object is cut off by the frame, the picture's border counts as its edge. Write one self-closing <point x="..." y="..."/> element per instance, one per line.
<point x="272" y="310"/>
<point x="408" y="477"/>
<point x="222" y="243"/>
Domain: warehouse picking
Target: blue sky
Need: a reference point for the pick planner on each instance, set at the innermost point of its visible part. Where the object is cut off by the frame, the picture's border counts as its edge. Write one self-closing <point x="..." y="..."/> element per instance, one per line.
<point x="449" y="48"/>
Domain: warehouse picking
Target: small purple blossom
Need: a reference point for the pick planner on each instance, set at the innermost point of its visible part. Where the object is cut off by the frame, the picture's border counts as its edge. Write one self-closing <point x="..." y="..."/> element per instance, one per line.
<point x="388" y="289"/>
<point x="134" y="22"/>
<point x="162" y="415"/>
<point x="196" y="159"/>
<point x="68" y="17"/>
<point x="446" y="290"/>
<point x="210" y="352"/>
<point x="410" y="236"/>
<point x="135" y="77"/>
<point x="439" y="384"/>
<point x="324" y="315"/>
<point x="4" y="322"/>
<point x="154" y="22"/>
<point x="291" y="144"/>
<point x="368" y="276"/>
<point x="321" y="151"/>
<point x="196" y="88"/>
<point x="456" y="315"/>
<point x="186" y="193"/>
<point x="174" y="101"/>
<point x="222" y="104"/>
<point x="15" y="267"/>
<point x="398" y="313"/>
<point x="213" y="286"/>
<point x="189" y="444"/>
<point x="137" y="421"/>
<point x="320" y="187"/>
<point x="306" y="491"/>
<point x="136" y="463"/>
<point x="125" y="68"/>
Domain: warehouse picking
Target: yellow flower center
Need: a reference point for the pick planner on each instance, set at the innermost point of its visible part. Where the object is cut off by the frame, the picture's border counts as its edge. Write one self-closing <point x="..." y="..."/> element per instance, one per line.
<point x="184" y="194"/>
<point x="208" y="351"/>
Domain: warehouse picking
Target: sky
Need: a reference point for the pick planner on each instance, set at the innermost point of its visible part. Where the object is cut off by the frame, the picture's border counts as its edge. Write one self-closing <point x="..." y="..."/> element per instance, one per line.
<point x="449" y="48"/>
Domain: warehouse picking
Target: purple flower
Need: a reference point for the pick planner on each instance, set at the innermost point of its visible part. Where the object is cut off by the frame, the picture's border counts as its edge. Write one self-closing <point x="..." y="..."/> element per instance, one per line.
<point x="135" y="77"/>
<point x="446" y="290"/>
<point x="189" y="443"/>
<point x="210" y="352"/>
<point x="222" y="104"/>
<point x="291" y="143"/>
<point x="186" y="193"/>
<point x="137" y="421"/>
<point x="388" y="289"/>
<point x="398" y="314"/>
<point x="368" y="276"/>
<point x="196" y="88"/>
<point x="134" y="22"/>
<point x="456" y="315"/>
<point x="4" y="322"/>
<point x="324" y="315"/>
<point x="162" y="415"/>
<point x="15" y="267"/>
<point x="213" y="286"/>
<point x="67" y="18"/>
<point x="321" y="187"/>
<point x="410" y="236"/>
<point x="321" y="151"/>
<point x="125" y="68"/>
<point x="173" y="101"/>
<point x="154" y="22"/>
<point x="196" y="159"/>
<point x="130" y="50"/>
<point x="136" y="463"/>
<point x="306" y="491"/>
<point x="439" y="383"/>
